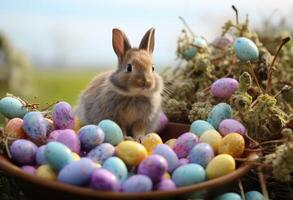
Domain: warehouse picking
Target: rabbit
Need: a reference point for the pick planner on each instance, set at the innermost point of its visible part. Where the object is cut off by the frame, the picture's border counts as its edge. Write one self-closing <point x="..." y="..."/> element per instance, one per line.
<point x="131" y="95"/>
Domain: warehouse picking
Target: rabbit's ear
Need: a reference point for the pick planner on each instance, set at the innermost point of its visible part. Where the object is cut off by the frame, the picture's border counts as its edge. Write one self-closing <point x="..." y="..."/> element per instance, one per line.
<point x="148" y="41"/>
<point x="120" y="43"/>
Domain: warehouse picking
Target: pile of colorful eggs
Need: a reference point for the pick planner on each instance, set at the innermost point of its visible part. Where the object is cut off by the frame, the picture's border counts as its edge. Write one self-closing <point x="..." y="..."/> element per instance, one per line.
<point x="96" y="156"/>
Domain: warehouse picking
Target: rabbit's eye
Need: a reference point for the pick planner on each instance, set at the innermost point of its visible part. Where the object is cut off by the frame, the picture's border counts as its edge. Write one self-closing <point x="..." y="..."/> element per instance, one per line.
<point x="153" y="68"/>
<point x="129" y="68"/>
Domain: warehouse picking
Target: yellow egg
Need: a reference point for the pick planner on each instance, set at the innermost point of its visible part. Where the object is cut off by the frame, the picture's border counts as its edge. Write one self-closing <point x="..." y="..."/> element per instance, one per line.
<point x="131" y="152"/>
<point x="171" y="142"/>
<point x="150" y="141"/>
<point x="167" y="175"/>
<point x="75" y="156"/>
<point x="45" y="171"/>
<point x="97" y="165"/>
<point x="212" y="137"/>
<point x="220" y="165"/>
<point x="232" y="144"/>
<point x="77" y="124"/>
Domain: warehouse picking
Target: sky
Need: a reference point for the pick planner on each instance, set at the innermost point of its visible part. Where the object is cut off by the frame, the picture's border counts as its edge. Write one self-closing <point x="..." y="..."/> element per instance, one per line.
<point x="77" y="33"/>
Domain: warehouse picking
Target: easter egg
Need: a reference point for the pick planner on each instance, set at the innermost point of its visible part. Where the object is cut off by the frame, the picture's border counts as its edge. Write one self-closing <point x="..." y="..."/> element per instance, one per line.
<point x="53" y="135"/>
<point x="219" y="112"/>
<point x="254" y="195"/>
<point x="184" y="144"/>
<point x="171" y="142"/>
<point x="154" y="167"/>
<point x="229" y="196"/>
<point x="35" y="126"/>
<point x="212" y="137"/>
<point x="182" y="161"/>
<point x="40" y="155"/>
<point x="75" y="156"/>
<point x="113" y="133"/>
<point x="29" y="169"/>
<point x="224" y="87"/>
<point x="137" y="183"/>
<point x="245" y="49"/>
<point x="14" y="129"/>
<point x="117" y="167"/>
<point x="45" y="171"/>
<point x="171" y="157"/>
<point x="166" y="175"/>
<point x="77" y="173"/>
<point x="11" y="107"/>
<point x="231" y="126"/>
<point x="200" y="42"/>
<point x="220" y="165"/>
<point x="165" y="184"/>
<point x="57" y="155"/>
<point x="131" y="152"/>
<point x="101" y="152"/>
<point x="198" y="127"/>
<point x="90" y="136"/>
<point x="232" y="144"/>
<point x="62" y="115"/>
<point x="162" y="123"/>
<point x="104" y="180"/>
<point x="201" y="154"/>
<point x="223" y="42"/>
<point x="188" y="174"/>
<point x="190" y="53"/>
<point x="150" y="141"/>
<point x="70" y="139"/>
<point x="23" y="152"/>
<point x="50" y="125"/>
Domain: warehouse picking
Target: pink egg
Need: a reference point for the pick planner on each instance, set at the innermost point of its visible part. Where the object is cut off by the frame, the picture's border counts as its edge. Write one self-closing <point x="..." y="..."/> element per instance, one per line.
<point x="165" y="184"/>
<point x="224" y="87"/>
<point x="231" y="126"/>
<point x="70" y="139"/>
<point x="29" y="169"/>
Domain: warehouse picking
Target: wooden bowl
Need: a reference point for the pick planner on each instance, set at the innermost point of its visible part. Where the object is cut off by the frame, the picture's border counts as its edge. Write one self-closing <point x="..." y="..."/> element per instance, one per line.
<point x="38" y="188"/>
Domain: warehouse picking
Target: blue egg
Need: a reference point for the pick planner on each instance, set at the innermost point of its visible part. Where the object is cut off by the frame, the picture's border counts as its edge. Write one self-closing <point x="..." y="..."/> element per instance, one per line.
<point x="35" y="126"/>
<point x="90" y="136"/>
<point x="254" y="195"/>
<point x="200" y="126"/>
<point x="188" y="174"/>
<point x="77" y="173"/>
<point x="117" y="167"/>
<point x="245" y="49"/>
<point x="113" y="133"/>
<point x="40" y="155"/>
<point x="190" y="53"/>
<point x="11" y="107"/>
<point x="101" y="152"/>
<point x="137" y="183"/>
<point x="168" y="153"/>
<point x="201" y="154"/>
<point x="200" y="42"/>
<point x="219" y="112"/>
<point x="229" y="196"/>
<point x="58" y="155"/>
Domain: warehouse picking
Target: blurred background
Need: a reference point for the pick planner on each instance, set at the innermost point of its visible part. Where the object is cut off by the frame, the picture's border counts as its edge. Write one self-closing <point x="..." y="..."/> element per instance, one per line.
<point x="51" y="49"/>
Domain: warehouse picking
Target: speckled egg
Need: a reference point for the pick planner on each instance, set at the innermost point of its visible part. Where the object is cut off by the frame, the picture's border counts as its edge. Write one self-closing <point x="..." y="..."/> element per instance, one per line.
<point x="14" y="129"/>
<point x="188" y="174"/>
<point x="45" y="171"/>
<point x="254" y="195"/>
<point x="29" y="169"/>
<point x="165" y="184"/>
<point x="171" y="142"/>
<point x="198" y="127"/>
<point x="117" y="167"/>
<point x="113" y="133"/>
<point x="168" y="153"/>
<point x="201" y="154"/>
<point x="70" y="139"/>
<point x="131" y="152"/>
<point x="35" y="127"/>
<point x="213" y="138"/>
<point x="90" y="136"/>
<point x="220" y="165"/>
<point x="224" y="87"/>
<point x="219" y="112"/>
<point x="11" y="107"/>
<point x="190" y="53"/>
<point x="184" y="144"/>
<point x="104" y="180"/>
<point x="101" y="152"/>
<point x="57" y="155"/>
<point x="50" y="125"/>
<point x="40" y="155"/>
<point x="23" y="152"/>
<point x="200" y="42"/>
<point x="245" y="49"/>
<point x="229" y="196"/>
<point x="77" y="173"/>
<point x="137" y="183"/>
<point x="162" y="123"/>
<point x="232" y="144"/>
<point x="223" y="42"/>
<point x="231" y="126"/>
<point x="62" y="115"/>
<point x="150" y="141"/>
<point x="154" y="166"/>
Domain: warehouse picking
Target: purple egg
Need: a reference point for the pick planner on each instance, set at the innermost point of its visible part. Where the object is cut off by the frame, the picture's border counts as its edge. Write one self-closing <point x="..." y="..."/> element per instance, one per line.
<point x="52" y="137"/>
<point x="201" y="154"/>
<point x="182" y="161"/>
<point x="29" y="169"/>
<point x="223" y="42"/>
<point x="23" y="152"/>
<point x="137" y="183"/>
<point x="101" y="152"/>
<point x="40" y="155"/>
<point x="165" y="184"/>
<point x="168" y="153"/>
<point x="162" y="123"/>
<point x="70" y="139"/>
<point x="62" y="115"/>
<point x="154" y="167"/>
<point x="104" y="180"/>
<point x="184" y="144"/>
<point x="231" y="126"/>
<point x="90" y="136"/>
<point x="224" y="87"/>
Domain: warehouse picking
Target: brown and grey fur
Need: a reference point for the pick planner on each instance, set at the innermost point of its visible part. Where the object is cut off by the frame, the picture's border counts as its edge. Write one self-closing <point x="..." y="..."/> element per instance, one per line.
<point x="131" y="99"/>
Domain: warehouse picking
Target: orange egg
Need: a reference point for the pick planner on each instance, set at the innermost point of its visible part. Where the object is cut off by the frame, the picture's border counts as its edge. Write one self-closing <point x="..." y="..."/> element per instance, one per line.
<point x="14" y="128"/>
<point x="232" y="144"/>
